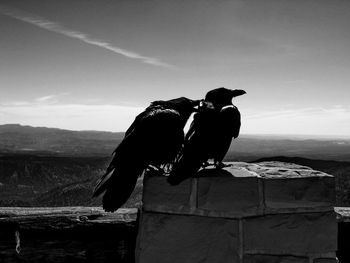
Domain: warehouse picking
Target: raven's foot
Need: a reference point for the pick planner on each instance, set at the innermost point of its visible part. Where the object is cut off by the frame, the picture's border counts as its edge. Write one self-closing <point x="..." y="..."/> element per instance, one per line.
<point x="220" y="165"/>
<point x="154" y="170"/>
<point x="206" y="164"/>
<point x="167" y="168"/>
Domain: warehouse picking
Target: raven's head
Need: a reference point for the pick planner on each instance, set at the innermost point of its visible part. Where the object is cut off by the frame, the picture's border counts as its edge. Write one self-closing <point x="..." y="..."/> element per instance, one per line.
<point x="185" y="106"/>
<point x="221" y="97"/>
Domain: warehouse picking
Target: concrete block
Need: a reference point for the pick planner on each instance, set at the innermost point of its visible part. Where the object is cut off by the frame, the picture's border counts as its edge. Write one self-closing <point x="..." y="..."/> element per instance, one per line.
<point x="293" y="234"/>
<point x="274" y="259"/>
<point x="188" y="239"/>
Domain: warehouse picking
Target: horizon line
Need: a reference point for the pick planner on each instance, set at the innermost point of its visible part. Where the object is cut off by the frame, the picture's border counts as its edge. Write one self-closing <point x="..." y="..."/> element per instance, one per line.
<point x="298" y="135"/>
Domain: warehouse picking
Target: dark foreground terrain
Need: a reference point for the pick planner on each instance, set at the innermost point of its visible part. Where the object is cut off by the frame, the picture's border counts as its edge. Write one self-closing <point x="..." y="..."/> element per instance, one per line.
<point x="31" y="180"/>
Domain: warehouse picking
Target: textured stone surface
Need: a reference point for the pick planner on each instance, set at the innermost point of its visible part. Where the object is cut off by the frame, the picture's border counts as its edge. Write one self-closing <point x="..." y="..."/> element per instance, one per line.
<point x="274" y="259"/>
<point x="291" y="187"/>
<point x="299" y="194"/>
<point x="291" y="233"/>
<point x="232" y="196"/>
<point x="243" y="189"/>
<point x="326" y="260"/>
<point x="269" y="212"/>
<point x="159" y="195"/>
<point x="188" y="239"/>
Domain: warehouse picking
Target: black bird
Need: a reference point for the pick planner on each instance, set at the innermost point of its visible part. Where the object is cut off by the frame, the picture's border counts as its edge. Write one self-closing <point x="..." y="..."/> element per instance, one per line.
<point x="154" y="138"/>
<point x="210" y="134"/>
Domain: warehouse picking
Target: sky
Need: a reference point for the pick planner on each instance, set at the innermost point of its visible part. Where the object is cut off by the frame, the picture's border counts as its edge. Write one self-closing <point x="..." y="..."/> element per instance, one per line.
<point x="94" y="65"/>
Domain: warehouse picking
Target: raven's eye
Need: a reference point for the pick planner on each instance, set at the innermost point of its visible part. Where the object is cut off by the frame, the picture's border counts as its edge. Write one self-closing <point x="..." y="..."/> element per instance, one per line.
<point x="206" y="105"/>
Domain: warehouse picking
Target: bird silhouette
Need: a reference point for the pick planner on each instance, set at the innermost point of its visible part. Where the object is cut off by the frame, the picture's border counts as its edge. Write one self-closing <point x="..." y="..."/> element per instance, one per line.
<point x="154" y="138"/>
<point x="210" y="134"/>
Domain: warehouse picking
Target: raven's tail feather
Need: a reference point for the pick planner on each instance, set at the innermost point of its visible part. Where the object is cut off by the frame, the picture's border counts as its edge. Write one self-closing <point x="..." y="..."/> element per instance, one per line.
<point x="186" y="166"/>
<point x="119" y="192"/>
<point x="102" y="184"/>
<point x="117" y="185"/>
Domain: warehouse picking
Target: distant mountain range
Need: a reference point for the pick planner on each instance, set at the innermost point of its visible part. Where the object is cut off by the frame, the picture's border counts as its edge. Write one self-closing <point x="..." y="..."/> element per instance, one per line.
<point x="15" y="138"/>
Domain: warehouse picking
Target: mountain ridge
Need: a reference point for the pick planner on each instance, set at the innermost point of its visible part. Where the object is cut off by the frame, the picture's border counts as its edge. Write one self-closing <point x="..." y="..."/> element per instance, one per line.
<point x="15" y="138"/>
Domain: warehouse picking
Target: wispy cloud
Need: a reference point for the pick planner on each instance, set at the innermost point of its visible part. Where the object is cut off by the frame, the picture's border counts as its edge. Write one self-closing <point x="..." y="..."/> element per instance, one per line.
<point x="45" y="98"/>
<point x="58" y="28"/>
<point x="50" y="98"/>
<point x="314" y="120"/>
<point x="311" y="112"/>
<point x="71" y="116"/>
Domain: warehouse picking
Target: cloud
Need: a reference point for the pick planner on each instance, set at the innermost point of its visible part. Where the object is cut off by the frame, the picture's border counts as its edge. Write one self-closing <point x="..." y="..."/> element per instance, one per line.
<point x="57" y="28"/>
<point x="69" y="116"/>
<point x="47" y="111"/>
<point x="45" y="98"/>
<point x="314" y="121"/>
<point x="50" y="98"/>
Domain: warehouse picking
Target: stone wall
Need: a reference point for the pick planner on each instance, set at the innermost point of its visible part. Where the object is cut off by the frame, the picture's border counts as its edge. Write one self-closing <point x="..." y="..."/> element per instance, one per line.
<point x="66" y="234"/>
<point x="247" y="213"/>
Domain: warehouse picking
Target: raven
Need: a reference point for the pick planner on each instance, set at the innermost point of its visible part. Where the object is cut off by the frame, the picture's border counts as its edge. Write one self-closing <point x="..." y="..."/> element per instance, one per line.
<point x="154" y="138"/>
<point x="210" y="134"/>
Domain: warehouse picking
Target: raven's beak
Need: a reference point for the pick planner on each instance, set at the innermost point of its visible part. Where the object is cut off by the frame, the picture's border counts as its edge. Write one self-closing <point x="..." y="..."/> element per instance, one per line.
<point x="196" y="105"/>
<point x="205" y="105"/>
<point x="238" y="92"/>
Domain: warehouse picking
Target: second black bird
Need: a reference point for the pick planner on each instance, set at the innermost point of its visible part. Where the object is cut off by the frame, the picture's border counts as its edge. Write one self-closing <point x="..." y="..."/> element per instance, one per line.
<point x="210" y="134"/>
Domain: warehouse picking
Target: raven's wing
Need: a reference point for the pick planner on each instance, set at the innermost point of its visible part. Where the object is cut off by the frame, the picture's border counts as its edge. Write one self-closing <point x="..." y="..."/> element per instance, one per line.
<point x="139" y="118"/>
<point x="122" y="158"/>
<point x="189" y="160"/>
<point x="196" y="147"/>
<point x="128" y="162"/>
<point x="150" y="141"/>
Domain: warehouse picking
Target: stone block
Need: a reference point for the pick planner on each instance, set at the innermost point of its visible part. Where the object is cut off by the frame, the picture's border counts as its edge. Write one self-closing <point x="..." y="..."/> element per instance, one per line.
<point x="314" y="192"/>
<point x="274" y="259"/>
<point x="326" y="260"/>
<point x="241" y="190"/>
<point x="231" y="192"/>
<point x="160" y="196"/>
<point x="293" y="234"/>
<point x="229" y="196"/>
<point x="293" y="188"/>
<point x="269" y="212"/>
<point x="167" y="238"/>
